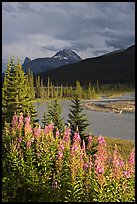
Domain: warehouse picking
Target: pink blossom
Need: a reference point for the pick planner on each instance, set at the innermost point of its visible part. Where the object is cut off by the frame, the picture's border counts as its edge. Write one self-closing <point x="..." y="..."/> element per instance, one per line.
<point x="60" y="149"/>
<point x="38" y="155"/>
<point x="85" y="166"/>
<point x="74" y="147"/>
<point x="37" y="131"/>
<point x="67" y="135"/>
<point x="127" y="173"/>
<point x="83" y="146"/>
<point x="89" y="139"/>
<point x="27" y="127"/>
<point x="55" y="185"/>
<point x="46" y="129"/>
<point x="76" y="137"/>
<point x="20" y="139"/>
<point x="20" y="121"/>
<point x="57" y="133"/>
<point x="90" y="164"/>
<point x="51" y="127"/>
<point x="60" y="154"/>
<point x="28" y="144"/>
<point x="27" y="119"/>
<point x="14" y="121"/>
<point x="101" y="140"/>
<point x="100" y="169"/>
<point x="132" y="157"/>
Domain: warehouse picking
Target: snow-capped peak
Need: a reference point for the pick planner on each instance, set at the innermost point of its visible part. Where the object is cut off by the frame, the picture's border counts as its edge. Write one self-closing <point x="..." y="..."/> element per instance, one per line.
<point x="67" y="54"/>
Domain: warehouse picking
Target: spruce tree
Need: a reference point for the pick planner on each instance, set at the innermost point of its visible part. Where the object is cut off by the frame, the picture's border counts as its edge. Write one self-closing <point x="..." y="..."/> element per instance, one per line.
<point x="48" y="88"/>
<point x="31" y="83"/>
<point x="42" y="90"/>
<point x="77" y="120"/>
<point x="54" y="115"/>
<point x="16" y="93"/>
<point x="38" y="87"/>
<point x="78" y="89"/>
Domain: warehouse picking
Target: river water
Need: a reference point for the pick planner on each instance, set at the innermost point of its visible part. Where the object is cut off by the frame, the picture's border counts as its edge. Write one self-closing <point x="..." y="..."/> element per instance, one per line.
<point x="108" y="124"/>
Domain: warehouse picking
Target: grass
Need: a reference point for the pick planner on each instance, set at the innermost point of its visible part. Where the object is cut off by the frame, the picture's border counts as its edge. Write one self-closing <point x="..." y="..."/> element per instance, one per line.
<point x="124" y="147"/>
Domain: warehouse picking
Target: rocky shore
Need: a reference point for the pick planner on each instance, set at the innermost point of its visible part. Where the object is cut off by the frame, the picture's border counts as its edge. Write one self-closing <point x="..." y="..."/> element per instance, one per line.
<point x="118" y="107"/>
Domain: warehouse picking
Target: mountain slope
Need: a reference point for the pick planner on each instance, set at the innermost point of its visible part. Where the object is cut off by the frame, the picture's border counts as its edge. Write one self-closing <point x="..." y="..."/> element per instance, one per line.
<point x="61" y="58"/>
<point x="113" y="68"/>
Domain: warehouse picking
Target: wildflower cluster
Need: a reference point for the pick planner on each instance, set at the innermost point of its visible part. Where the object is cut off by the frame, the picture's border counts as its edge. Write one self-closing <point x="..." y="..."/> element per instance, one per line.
<point x="40" y="166"/>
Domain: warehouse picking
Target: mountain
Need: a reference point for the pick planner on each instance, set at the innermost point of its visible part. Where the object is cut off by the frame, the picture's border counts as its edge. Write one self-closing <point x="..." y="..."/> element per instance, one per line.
<point x="63" y="57"/>
<point x="27" y="59"/>
<point x="111" y="68"/>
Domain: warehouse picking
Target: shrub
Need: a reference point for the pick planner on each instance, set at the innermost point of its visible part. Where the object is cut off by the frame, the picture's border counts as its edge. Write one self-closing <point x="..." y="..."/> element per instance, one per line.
<point x="39" y="166"/>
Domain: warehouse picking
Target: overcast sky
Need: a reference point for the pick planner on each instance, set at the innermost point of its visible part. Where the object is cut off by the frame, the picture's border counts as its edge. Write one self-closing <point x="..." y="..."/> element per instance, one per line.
<point x="40" y="29"/>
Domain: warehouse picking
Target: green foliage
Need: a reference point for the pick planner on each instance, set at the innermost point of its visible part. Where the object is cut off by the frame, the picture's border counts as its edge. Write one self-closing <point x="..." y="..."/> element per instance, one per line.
<point x="54" y="115"/>
<point x="16" y="95"/>
<point x="39" y="167"/>
<point x="31" y="83"/>
<point x="77" y="120"/>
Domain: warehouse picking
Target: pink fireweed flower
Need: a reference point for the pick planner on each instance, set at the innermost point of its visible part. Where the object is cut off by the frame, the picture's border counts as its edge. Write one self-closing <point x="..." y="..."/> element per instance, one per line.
<point x="74" y="147"/>
<point x="28" y="144"/>
<point x="27" y="127"/>
<point x="83" y="146"/>
<point x="37" y="131"/>
<point x="51" y="127"/>
<point x="20" y="139"/>
<point x="46" y="129"/>
<point x="100" y="169"/>
<point x="100" y="156"/>
<point x="38" y="155"/>
<point x="27" y="119"/>
<point x="118" y="165"/>
<point x="76" y="137"/>
<point x="66" y="135"/>
<point x="101" y="140"/>
<point x="20" y="125"/>
<point x="89" y="138"/>
<point x="132" y="157"/>
<point x="15" y="121"/>
<point x="60" y="154"/>
<point x="85" y="166"/>
<point x="127" y="173"/>
<point x="90" y="164"/>
<point x="55" y="185"/>
<point x="57" y="133"/>
<point x="89" y="145"/>
<point x="60" y="149"/>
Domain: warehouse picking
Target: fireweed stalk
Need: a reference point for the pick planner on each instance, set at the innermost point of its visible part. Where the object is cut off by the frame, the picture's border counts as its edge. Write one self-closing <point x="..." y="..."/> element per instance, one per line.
<point x="50" y="167"/>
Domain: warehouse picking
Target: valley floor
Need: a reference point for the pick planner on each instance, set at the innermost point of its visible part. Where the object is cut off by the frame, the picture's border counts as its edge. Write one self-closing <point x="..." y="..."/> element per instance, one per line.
<point x="118" y="107"/>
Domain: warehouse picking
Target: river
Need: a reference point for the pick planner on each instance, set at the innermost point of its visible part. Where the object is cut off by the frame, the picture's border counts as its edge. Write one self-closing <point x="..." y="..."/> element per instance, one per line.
<point x="108" y="124"/>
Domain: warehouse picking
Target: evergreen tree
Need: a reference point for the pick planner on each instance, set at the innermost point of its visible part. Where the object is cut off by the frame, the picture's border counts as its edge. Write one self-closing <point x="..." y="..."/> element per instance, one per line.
<point x="97" y="85"/>
<point x="48" y="87"/>
<point x="54" y="115"/>
<point x="42" y="90"/>
<point x="31" y="83"/>
<point x="16" y="93"/>
<point x="77" y="120"/>
<point x="78" y="89"/>
<point x="38" y="87"/>
<point x="61" y="91"/>
<point x="89" y="91"/>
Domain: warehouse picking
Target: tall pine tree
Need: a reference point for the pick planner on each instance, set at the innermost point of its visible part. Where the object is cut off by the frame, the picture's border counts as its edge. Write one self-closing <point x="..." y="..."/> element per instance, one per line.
<point x="54" y="115"/>
<point x="31" y="83"/>
<point x="16" y="93"/>
<point x="77" y="120"/>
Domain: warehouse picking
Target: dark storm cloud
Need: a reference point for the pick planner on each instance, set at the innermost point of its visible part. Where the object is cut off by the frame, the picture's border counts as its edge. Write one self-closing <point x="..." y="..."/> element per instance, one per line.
<point x="42" y="28"/>
<point x="50" y="48"/>
<point x="122" y="41"/>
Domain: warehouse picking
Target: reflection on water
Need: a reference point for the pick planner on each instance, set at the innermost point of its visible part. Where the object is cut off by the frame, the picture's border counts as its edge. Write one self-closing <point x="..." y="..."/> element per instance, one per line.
<point x="104" y="123"/>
